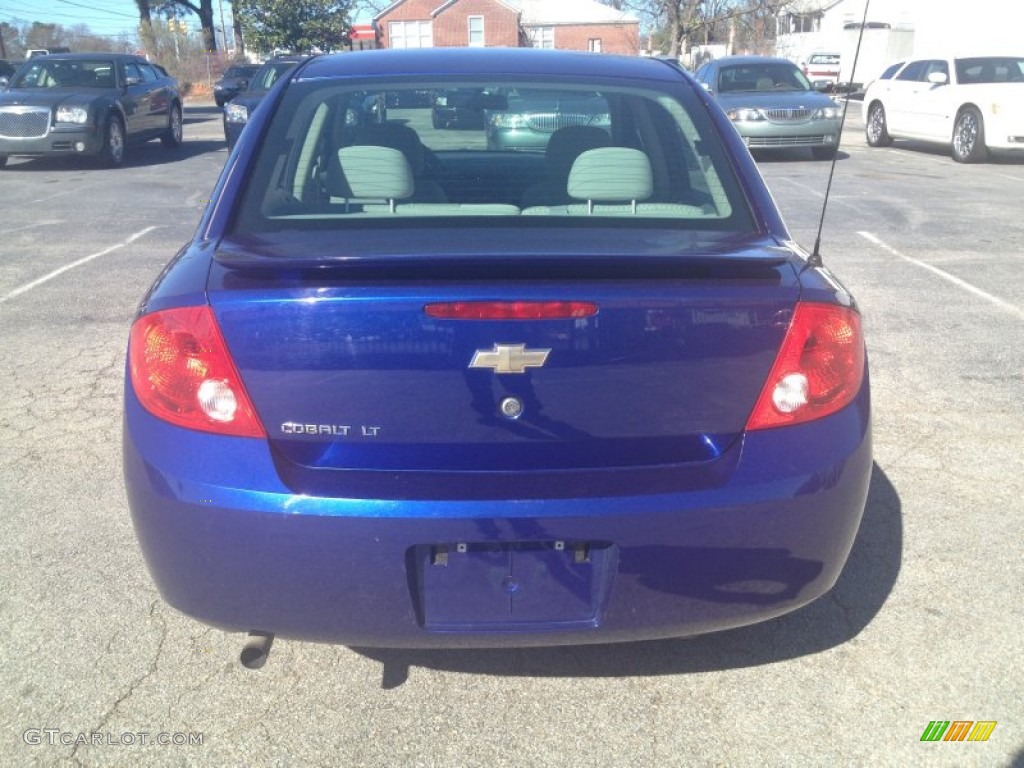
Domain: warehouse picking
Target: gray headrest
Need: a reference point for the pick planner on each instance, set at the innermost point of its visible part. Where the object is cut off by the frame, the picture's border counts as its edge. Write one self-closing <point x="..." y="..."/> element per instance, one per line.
<point x="396" y="136"/>
<point x="376" y="172"/>
<point x="611" y="174"/>
<point x="566" y="144"/>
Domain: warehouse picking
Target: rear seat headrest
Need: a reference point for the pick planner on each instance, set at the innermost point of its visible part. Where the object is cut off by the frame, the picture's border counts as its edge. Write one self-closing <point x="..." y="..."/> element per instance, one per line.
<point x="380" y="173"/>
<point x="611" y="174"/>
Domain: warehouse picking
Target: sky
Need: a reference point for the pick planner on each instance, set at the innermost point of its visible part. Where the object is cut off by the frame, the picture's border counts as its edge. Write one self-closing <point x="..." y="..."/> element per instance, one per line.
<point x="104" y="17"/>
<point x="997" y="21"/>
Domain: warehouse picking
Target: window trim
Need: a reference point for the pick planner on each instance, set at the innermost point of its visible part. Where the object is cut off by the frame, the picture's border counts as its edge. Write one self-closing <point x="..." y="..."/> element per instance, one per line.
<point x="405" y="25"/>
<point x="541" y="34"/>
<point x="469" y="26"/>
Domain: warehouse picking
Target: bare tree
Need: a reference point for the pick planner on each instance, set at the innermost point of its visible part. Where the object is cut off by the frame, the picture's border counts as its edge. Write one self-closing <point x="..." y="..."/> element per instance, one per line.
<point x="680" y="23"/>
<point x="204" y="10"/>
<point x="146" y="28"/>
<point x="236" y="22"/>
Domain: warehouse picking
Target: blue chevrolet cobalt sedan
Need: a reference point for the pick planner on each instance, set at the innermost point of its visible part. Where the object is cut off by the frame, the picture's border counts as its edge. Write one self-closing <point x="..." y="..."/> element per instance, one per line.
<point x="406" y="390"/>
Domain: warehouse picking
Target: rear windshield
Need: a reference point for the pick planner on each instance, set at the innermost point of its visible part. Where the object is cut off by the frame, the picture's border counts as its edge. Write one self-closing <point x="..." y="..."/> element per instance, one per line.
<point x="990" y="69"/>
<point x="269" y="75"/>
<point x="337" y="155"/>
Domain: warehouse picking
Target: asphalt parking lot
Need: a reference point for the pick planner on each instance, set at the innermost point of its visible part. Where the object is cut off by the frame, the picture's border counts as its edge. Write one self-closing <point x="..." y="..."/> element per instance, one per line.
<point x="925" y="623"/>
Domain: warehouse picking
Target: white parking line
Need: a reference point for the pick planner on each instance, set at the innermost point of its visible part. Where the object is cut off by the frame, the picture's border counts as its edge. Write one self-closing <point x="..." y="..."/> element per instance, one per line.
<point x="45" y="223"/>
<point x="71" y="191"/>
<point x="85" y="260"/>
<point x="1001" y="303"/>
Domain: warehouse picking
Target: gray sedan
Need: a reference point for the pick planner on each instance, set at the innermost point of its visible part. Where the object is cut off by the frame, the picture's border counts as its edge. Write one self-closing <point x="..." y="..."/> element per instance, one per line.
<point x="88" y="104"/>
<point x="772" y="104"/>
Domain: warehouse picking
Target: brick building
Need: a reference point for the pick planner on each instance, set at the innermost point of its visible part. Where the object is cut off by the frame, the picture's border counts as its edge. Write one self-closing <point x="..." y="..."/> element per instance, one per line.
<point x="580" y="25"/>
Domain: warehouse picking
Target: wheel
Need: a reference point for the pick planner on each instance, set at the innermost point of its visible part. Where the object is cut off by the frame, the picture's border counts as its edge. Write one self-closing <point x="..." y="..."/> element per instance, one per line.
<point x="876" y="131"/>
<point x="172" y="138"/>
<point x="969" y="137"/>
<point x="823" y="153"/>
<point x="112" y="154"/>
<point x="219" y="100"/>
<point x="3" y="160"/>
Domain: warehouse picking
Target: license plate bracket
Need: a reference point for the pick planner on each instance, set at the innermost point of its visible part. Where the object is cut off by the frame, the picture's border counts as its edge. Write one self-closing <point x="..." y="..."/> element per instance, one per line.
<point x="500" y="586"/>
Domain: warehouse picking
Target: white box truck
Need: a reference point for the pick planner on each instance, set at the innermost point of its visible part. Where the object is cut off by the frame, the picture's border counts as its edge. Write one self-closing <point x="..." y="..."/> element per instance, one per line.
<point x="881" y="46"/>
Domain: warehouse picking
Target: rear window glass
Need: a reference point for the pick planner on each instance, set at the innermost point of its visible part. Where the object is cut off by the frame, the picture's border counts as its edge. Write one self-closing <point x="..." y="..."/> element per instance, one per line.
<point x="269" y="75"/>
<point x="991" y="69"/>
<point x="340" y="155"/>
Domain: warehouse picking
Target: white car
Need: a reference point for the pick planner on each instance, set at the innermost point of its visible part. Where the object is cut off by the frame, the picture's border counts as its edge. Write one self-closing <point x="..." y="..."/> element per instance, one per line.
<point x="822" y="69"/>
<point x="973" y="104"/>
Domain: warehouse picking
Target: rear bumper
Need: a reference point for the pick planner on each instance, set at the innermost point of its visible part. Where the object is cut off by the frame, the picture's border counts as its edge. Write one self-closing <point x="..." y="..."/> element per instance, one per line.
<point x="1006" y="134"/>
<point x="232" y="131"/>
<point x="229" y="544"/>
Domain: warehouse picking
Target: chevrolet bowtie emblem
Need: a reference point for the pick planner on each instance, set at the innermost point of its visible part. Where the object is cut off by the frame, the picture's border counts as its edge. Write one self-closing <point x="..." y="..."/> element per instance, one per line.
<point x="509" y="358"/>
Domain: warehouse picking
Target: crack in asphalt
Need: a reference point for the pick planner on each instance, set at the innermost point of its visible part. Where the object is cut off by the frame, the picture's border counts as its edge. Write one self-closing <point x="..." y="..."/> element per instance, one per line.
<point x="153" y="664"/>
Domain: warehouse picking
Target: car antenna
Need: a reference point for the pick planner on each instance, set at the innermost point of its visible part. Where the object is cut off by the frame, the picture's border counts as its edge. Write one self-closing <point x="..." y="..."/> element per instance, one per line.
<point x="815" y="258"/>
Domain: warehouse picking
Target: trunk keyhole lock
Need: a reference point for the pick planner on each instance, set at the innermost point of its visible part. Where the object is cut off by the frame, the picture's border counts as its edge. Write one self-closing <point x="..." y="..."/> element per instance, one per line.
<point x="511" y="408"/>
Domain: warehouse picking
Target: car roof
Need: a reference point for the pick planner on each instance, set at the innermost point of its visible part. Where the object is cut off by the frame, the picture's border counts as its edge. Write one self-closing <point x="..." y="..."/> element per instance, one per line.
<point x="486" y="61"/>
<point x="91" y="56"/>
<point x="753" y="60"/>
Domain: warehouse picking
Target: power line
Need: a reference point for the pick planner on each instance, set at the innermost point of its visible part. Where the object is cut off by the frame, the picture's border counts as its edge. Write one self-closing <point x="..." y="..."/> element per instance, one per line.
<point x="77" y="16"/>
<point x="91" y="8"/>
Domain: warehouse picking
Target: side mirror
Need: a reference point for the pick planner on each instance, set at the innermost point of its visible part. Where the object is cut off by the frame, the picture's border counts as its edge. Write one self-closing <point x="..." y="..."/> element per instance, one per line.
<point x="938" y="78"/>
<point x="706" y="87"/>
<point x="3" y="82"/>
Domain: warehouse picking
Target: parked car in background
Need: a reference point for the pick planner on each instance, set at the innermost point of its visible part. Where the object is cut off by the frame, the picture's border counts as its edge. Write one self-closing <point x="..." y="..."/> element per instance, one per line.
<point x="7" y="70"/>
<point x="822" y="69"/>
<point x="772" y="104"/>
<point x="239" y="109"/>
<point x="972" y="104"/>
<point x="234" y="80"/>
<point x="529" y="116"/>
<point x="381" y="400"/>
<point x="33" y="52"/>
<point x="88" y="104"/>
<point x="458" y="108"/>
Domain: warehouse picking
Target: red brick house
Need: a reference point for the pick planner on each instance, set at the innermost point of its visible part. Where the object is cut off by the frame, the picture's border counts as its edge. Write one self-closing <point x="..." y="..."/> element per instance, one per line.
<point x="581" y="25"/>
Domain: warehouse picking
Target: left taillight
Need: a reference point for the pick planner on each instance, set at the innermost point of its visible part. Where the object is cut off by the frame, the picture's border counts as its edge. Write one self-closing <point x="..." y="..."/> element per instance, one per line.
<point x="182" y="372"/>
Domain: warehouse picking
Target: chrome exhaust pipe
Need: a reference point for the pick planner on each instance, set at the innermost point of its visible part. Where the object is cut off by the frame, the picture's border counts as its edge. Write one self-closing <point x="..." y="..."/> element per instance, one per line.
<point x="254" y="654"/>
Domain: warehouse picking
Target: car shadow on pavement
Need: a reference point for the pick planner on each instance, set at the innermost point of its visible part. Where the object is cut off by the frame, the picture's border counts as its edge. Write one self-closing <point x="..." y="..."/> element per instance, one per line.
<point x="996" y="157"/>
<point x="200" y="114"/>
<point x="154" y="154"/>
<point x="859" y="594"/>
<point x="793" y="155"/>
<point x="136" y="156"/>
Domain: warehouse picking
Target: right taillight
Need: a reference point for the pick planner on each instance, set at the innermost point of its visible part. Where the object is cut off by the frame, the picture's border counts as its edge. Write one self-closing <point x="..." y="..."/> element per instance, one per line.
<point x="818" y="370"/>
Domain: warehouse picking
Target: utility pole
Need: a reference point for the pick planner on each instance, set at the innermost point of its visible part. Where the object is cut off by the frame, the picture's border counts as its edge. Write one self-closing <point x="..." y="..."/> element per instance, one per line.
<point x="223" y="29"/>
<point x="3" y="50"/>
<point x="174" y="34"/>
